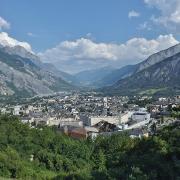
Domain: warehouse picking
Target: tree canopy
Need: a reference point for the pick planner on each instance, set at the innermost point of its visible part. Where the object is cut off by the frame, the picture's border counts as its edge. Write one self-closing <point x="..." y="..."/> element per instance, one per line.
<point x="45" y="153"/>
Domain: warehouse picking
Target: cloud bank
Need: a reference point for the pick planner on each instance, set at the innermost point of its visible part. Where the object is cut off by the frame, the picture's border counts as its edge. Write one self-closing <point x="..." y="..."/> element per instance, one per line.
<point x="169" y="13"/>
<point x="6" y="40"/>
<point x="83" y="53"/>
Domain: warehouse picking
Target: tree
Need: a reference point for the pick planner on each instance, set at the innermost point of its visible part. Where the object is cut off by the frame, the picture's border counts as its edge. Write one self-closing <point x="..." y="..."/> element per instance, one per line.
<point x="153" y="128"/>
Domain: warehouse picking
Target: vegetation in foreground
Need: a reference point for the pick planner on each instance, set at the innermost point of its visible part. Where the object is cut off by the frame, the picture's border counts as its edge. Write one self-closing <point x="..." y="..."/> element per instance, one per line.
<point x="44" y="153"/>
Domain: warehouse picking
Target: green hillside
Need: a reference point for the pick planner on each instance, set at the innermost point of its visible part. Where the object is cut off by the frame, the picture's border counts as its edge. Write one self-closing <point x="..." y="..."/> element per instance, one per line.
<point x="58" y="157"/>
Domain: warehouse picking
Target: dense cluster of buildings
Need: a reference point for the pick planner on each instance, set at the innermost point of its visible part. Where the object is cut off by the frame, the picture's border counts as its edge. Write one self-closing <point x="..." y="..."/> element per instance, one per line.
<point x="88" y="115"/>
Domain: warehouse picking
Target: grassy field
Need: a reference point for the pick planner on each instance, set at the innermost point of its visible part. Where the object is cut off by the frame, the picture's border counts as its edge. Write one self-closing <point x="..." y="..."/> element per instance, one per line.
<point x="151" y="91"/>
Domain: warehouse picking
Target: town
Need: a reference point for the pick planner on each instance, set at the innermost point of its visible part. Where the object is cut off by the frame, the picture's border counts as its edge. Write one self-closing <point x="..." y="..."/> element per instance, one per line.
<point x="83" y="115"/>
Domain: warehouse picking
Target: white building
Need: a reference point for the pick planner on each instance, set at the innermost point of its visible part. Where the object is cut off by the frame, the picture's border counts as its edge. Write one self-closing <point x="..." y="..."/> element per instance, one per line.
<point x="17" y="110"/>
<point x="140" y="116"/>
<point x="105" y="102"/>
<point x="90" y="121"/>
<point x="92" y="132"/>
<point x="177" y="99"/>
<point x="71" y="123"/>
<point x="125" y="117"/>
<point x="25" y="120"/>
<point x="162" y="99"/>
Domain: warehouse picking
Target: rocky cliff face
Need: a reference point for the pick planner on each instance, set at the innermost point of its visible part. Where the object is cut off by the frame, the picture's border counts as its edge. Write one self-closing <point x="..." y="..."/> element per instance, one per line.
<point x="159" y="71"/>
<point x="164" y="73"/>
<point x="21" y="74"/>
<point x="158" y="57"/>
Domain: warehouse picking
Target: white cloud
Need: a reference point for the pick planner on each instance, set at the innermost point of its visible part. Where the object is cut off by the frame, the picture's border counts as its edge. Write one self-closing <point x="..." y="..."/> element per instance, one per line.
<point x="144" y="26"/>
<point x="4" y="24"/>
<point x="169" y="12"/>
<point x="133" y="14"/>
<point x="31" y="34"/>
<point x="84" y="53"/>
<point x="6" y="40"/>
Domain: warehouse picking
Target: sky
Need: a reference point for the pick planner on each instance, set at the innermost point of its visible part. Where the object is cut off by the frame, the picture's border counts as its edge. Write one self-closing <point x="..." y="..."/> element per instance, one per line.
<point x="77" y="35"/>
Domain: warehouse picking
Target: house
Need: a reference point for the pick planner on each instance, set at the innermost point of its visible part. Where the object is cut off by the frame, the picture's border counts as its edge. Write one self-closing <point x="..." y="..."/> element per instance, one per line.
<point x="78" y="133"/>
<point x="104" y="126"/>
<point x="125" y="117"/>
<point x="41" y="121"/>
<point x="92" y="120"/>
<point x="17" y="110"/>
<point x="81" y="132"/>
<point x="71" y="123"/>
<point x="177" y="99"/>
<point x="92" y="132"/>
<point x="140" y="116"/>
<point x="25" y="120"/>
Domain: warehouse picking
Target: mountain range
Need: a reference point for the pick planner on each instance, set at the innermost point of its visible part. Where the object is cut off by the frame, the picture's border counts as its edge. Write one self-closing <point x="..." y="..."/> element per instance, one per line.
<point x="158" y="74"/>
<point x="23" y="74"/>
<point x="92" y="78"/>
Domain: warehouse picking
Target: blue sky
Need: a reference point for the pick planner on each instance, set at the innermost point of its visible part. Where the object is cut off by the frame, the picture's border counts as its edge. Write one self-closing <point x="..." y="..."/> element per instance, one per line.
<point x="58" y="20"/>
<point x="45" y="24"/>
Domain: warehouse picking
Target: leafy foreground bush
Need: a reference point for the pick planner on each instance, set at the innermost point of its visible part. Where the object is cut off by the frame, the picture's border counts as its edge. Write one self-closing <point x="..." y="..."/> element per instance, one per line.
<point x="59" y="157"/>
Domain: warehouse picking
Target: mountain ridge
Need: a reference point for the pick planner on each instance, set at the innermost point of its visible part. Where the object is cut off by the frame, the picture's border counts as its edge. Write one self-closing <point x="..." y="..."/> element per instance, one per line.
<point x="22" y="76"/>
<point x="163" y="74"/>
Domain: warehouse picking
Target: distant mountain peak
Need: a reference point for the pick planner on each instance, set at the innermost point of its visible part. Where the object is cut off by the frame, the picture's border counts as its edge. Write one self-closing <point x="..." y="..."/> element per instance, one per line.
<point x="22" y="74"/>
<point x="158" y="57"/>
<point x="7" y="41"/>
<point x="160" y="73"/>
